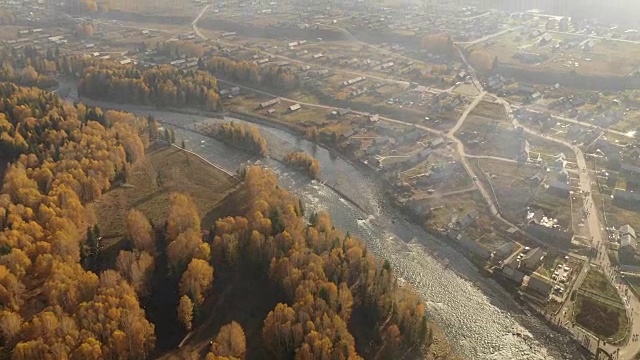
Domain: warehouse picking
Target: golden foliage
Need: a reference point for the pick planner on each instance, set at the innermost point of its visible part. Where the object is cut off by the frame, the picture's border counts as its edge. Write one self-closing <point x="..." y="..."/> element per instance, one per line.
<point x="137" y="268"/>
<point x="140" y="231"/>
<point x="230" y="341"/>
<point x="246" y="137"/>
<point x="305" y="162"/>
<point x="185" y="312"/>
<point x="62" y="156"/>
<point x="183" y="215"/>
<point x="163" y="86"/>
<point x="196" y="280"/>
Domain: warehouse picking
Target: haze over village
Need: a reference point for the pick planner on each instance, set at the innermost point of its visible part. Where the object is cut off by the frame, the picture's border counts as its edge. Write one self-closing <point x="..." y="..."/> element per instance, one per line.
<point x="479" y="162"/>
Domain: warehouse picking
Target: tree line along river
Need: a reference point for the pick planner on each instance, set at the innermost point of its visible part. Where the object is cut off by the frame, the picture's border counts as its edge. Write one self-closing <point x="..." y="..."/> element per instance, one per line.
<point x="480" y="319"/>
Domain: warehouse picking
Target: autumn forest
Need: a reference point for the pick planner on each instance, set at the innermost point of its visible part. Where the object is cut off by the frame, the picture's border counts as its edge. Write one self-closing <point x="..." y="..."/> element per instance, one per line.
<point x="309" y="290"/>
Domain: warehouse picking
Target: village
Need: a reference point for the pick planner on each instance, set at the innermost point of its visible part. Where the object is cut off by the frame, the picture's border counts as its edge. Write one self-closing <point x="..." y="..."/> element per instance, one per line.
<point x="515" y="136"/>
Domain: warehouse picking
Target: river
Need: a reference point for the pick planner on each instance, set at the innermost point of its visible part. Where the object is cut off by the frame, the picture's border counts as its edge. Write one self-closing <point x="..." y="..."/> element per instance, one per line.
<point x="478" y="317"/>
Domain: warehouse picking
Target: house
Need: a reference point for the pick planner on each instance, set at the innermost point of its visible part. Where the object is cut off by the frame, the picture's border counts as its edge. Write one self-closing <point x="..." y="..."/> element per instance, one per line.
<point x="627" y="250"/>
<point x="387" y="65"/>
<point x="545" y="39"/>
<point x="539" y="284"/>
<point x="353" y="81"/>
<point x="538" y="178"/>
<point x="534" y="97"/>
<point x="559" y="188"/>
<point x="495" y="83"/>
<point x="535" y="33"/>
<point x="536" y="217"/>
<point x="436" y="142"/>
<point x="554" y="236"/>
<point x="467" y="220"/>
<point x="294" y="107"/>
<point x="191" y="65"/>
<point x="627" y="230"/>
<point x="346" y="135"/>
<point x="577" y="101"/>
<point x="531" y="261"/>
<point x="474" y="246"/>
<point x="513" y="274"/>
<point x="269" y="103"/>
<point x="526" y="89"/>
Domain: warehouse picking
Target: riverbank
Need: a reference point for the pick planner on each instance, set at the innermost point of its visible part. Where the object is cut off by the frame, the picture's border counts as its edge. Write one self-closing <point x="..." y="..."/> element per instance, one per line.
<point x="474" y="311"/>
<point x="391" y="200"/>
<point x="440" y="347"/>
<point x="288" y="128"/>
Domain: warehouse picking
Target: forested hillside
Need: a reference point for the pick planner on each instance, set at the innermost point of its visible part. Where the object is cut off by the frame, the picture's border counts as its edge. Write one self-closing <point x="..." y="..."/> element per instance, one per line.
<point x="63" y="158"/>
<point x="341" y="303"/>
<point x="321" y="295"/>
